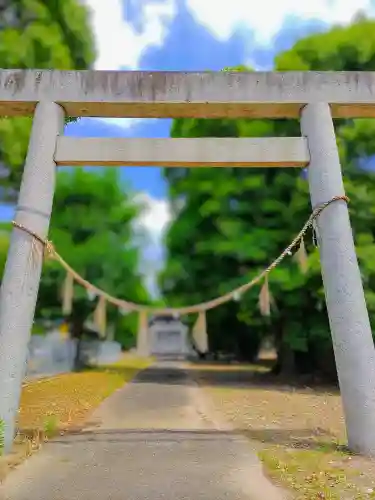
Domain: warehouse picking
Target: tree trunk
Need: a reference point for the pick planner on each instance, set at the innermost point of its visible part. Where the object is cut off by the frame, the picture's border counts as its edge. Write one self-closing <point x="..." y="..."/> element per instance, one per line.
<point x="287" y="365"/>
<point x="285" y="362"/>
<point x="77" y="333"/>
<point x="324" y="361"/>
<point x="78" y="365"/>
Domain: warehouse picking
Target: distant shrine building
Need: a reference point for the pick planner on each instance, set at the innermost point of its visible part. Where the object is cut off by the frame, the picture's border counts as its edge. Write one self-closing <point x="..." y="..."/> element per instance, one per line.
<point x="168" y="338"/>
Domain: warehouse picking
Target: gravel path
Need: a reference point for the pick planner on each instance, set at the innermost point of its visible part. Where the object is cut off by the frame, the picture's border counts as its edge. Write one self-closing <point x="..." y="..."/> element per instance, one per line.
<point x="154" y="439"/>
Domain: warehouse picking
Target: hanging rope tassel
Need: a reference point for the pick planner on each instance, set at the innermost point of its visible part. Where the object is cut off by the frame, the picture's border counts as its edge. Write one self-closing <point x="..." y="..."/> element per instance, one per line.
<point x="301" y="257"/>
<point x="67" y="294"/>
<point x="200" y="336"/>
<point x="265" y="299"/>
<point x="100" y="316"/>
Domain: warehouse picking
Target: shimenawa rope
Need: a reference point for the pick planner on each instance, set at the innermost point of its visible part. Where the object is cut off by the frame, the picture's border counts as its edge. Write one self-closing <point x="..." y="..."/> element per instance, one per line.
<point x="51" y="252"/>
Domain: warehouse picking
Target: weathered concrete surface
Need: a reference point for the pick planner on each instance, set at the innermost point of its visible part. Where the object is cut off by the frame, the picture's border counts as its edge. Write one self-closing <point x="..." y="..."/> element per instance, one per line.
<point x="154" y="440"/>
<point x="178" y="94"/>
<point x="20" y="281"/>
<point x="345" y="298"/>
<point x="187" y="152"/>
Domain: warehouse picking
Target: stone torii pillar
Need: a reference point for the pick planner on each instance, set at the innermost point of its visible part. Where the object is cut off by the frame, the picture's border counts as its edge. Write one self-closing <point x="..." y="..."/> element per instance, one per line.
<point x="348" y="317"/>
<point x="19" y="288"/>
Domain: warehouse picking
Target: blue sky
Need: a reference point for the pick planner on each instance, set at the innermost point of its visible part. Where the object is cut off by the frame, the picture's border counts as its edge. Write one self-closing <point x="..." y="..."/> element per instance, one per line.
<point x="192" y="35"/>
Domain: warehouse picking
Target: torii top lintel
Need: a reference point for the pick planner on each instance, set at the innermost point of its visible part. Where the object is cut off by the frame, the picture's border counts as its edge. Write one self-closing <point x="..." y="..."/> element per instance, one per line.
<point x="187" y="94"/>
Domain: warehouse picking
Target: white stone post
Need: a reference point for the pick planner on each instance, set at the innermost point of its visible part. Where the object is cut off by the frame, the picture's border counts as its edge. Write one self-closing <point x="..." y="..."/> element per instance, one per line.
<point x="347" y="311"/>
<point x="143" y="343"/>
<point x="19" y="288"/>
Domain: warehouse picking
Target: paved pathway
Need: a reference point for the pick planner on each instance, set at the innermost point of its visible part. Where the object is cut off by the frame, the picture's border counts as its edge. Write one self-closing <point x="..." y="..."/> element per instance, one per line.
<point x="154" y="439"/>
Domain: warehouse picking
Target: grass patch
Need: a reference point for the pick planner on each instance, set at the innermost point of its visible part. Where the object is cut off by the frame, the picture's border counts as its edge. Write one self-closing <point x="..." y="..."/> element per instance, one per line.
<point x="67" y="399"/>
<point x="56" y="404"/>
<point x="51" y="426"/>
<point x="319" y="473"/>
<point x="299" y="433"/>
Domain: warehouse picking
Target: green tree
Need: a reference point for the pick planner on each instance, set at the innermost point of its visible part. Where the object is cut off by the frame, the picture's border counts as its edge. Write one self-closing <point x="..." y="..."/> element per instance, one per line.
<point x="4" y="244"/>
<point x="44" y="35"/>
<point x="92" y="228"/>
<point x="235" y="221"/>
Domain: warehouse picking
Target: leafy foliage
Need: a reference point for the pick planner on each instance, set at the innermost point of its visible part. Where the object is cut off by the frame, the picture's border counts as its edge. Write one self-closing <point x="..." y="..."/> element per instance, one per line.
<point x="4" y="243"/>
<point x="44" y="35"/>
<point x="92" y="228"/>
<point x="234" y="222"/>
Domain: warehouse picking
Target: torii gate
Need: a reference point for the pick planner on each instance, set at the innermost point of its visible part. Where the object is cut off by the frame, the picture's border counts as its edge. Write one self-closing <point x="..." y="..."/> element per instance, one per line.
<point x="312" y="96"/>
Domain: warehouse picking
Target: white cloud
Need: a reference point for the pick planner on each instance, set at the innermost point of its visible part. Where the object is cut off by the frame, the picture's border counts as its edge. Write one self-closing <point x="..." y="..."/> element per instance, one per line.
<point x="150" y="227"/>
<point x="156" y="213"/>
<point x="155" y="216"/>
<point x="118" y="44"/>
<point x="268" y="16"/>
